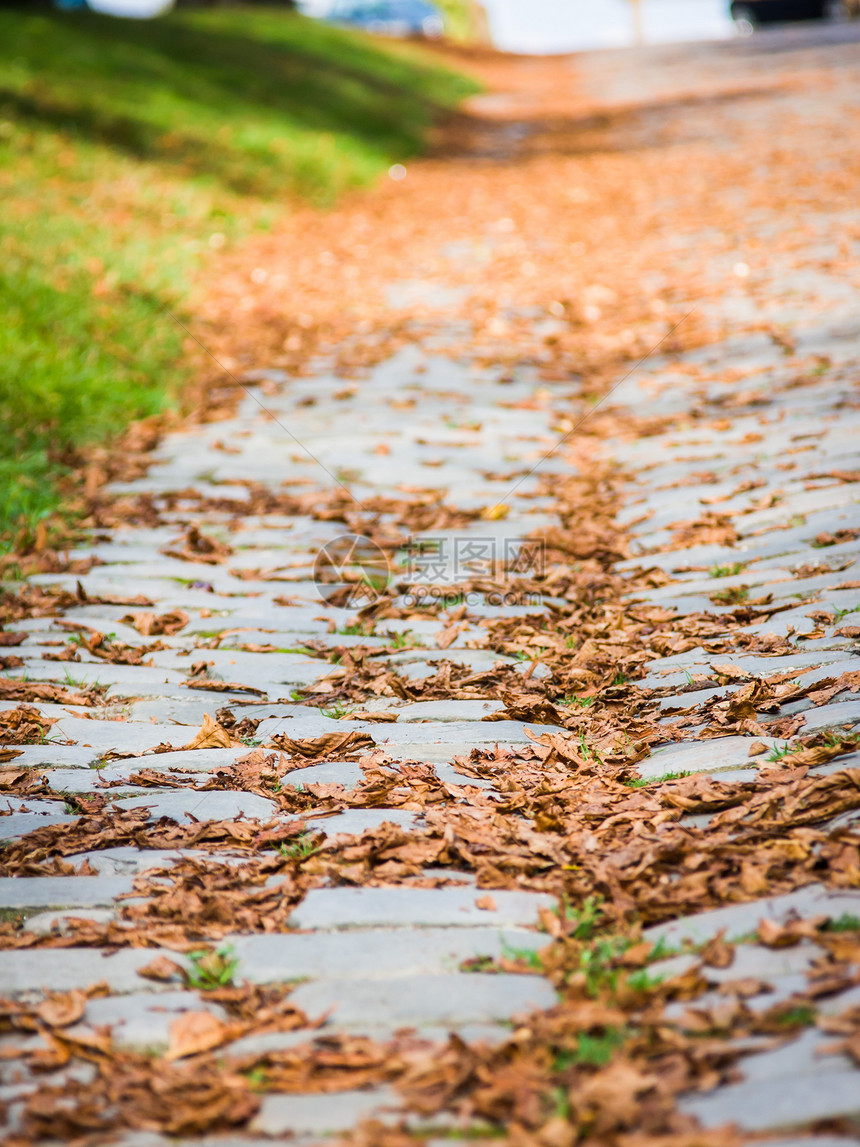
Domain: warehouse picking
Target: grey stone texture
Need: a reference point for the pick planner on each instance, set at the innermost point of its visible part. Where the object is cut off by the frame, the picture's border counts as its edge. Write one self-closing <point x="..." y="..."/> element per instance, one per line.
<point x="323" y="1114"/>
<point x="423" y="907"/>
<point x="217" y="804"/>
<point x="379" y="959"/>
<point x="29" y="892"/>
<point x="376" y="953"/>
<point x="741" y="919"/>
<point x="62" y="969"/>
<point x="449" y="1000"/>
<point x="141" y="1021"/>
<point x="781" y="1104"/>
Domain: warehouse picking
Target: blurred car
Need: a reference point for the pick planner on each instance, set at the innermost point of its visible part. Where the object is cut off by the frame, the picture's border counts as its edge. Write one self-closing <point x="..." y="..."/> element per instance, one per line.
<point x="749" y="14"/>
<point x="390" y="17"/>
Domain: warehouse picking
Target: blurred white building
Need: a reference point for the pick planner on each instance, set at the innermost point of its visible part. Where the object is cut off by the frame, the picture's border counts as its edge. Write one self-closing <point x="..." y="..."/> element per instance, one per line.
<point x="573" y="25"/>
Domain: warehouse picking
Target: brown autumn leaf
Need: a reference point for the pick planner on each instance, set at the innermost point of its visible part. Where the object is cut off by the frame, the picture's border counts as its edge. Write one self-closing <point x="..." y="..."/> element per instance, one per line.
<point x="195" y="546"/>
<point x="487" y="903"/>
<point x="718" y="953"/>
<point x="447" y="636"/>
<point x="727" y="672"/>
<point x="194" y="1032"/>
<point x="84" y="1041"/>
<point x="12" y="689"/>
<point x="24" y="725"/>
<point x="61" y="1010"/>
<point x="8" y="638"/>
<point x="162" y="969"/>
<point x="329" y="744"/>
<point x="610" y="1095"/>
<point x="54" y="1055"/>
<point x="211" y="686"/>
<point x="819" y="749"/>
<point x="637" y="955"/>
<point x="152" y="624"/>
<point x="744" y="988"/>
<point x="212" y="735"/>
<point x="776" y="935"/>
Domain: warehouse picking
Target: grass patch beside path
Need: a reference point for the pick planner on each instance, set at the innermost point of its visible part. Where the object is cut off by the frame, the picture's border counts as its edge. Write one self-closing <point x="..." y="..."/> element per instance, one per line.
<point x="130" y="152"/>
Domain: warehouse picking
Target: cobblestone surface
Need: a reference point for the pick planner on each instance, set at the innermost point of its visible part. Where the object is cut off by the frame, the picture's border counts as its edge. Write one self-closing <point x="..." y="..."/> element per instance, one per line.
<point x="385" y="958"/>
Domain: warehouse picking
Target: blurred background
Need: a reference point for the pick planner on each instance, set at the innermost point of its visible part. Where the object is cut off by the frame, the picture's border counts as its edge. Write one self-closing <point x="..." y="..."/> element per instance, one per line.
<point x="142" y="142"/>
<point x="511" y="25"/>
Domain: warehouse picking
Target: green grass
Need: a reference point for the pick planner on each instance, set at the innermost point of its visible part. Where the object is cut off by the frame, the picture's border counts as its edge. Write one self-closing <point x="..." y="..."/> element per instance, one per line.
<point x="777" y="752"/>
<point x="727" y="570"/>
<point x="301" y="847"/>
<point x="733" y="596"/>
<point x="131" y="153"/>
<point x="337" y="711"/>
<point x="847" y="922"/>
<point x="207" y="970"/>
<point x="802" y="1016"/>
<point x="641" y="782"/>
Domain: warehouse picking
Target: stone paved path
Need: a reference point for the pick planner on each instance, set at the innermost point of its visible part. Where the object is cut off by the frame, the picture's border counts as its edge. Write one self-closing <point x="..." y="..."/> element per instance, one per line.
<point x="779" y="461"/>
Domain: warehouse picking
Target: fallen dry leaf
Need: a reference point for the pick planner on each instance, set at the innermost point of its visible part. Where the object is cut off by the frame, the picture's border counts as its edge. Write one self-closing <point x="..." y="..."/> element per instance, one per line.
<point x="59" y="1011"/>
<point x="195" y="1032"/>
<point x="212" y="736"/>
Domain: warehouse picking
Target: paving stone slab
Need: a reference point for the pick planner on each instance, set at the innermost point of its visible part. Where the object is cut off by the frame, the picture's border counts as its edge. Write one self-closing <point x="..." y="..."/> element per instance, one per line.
<point x="141" y="1022"/>
<point x="711" y="756"/>
<point x="180" y="761"/>
<point x="475" y="659"/>
<point x="771" y="1105"/>
<point x="448" y="1000"/>
<point x="812" y="1141"/>
<point x="358" y="820"/>
<point x="805" y="1055"/>
<point x="780" y="989"/>
<point x="21" y="823"/>
<point x="751" y="961"/>
<point x="346" y="773"/>
<point x="129" y="679"/>
<point x="187" y="710"/>
<point x="447" y="772"/>
<point x="216" y="804"/>
<point x="27" y="892"/>
<point x="420" y="907"/>
<point x="126" y="736"/>
<point x="444" y="711"/>
<point x="418" y="735"/>
<point x="374" y="954"/>
<point x="471" y="732"/>
<point x="838" y="713"/>
<point x="33" y="805"/>
<point x="128" y="860"/>
<point x="661" y="673"/>
<point x="84" y="781"/>
<point x="260" y="1045"/>
<point x="63" y="969"/>
<point x="325" y="1114"/>
<point x="49" y="756"/>
<point x="741" y="919"/>
<point x="62" y="920"/>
